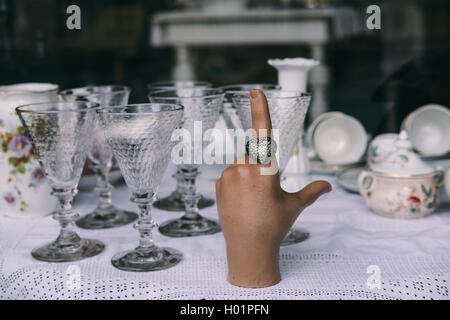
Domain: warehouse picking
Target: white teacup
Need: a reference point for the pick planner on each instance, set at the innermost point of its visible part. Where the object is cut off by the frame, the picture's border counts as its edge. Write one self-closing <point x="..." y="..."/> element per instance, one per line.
<point x="429" y="130"/>
<point x="340" y="140"/>
<point x="312" y="127"/>
<point x="380" y="147"/>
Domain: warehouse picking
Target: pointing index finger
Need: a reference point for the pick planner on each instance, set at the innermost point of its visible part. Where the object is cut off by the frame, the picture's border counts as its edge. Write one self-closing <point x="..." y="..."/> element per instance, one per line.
<point x="260" y="113"/>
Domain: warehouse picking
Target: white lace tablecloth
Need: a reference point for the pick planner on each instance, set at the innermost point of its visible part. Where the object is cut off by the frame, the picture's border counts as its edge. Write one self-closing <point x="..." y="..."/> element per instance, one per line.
<point x="411" y="258"/>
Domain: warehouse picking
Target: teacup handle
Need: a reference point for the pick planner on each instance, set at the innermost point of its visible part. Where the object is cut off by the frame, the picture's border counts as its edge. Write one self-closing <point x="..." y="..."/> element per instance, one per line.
<point x="366" y="181"/>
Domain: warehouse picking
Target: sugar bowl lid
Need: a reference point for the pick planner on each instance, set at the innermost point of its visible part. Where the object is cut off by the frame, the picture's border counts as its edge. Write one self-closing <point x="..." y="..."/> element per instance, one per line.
<point x="403" y="160"/>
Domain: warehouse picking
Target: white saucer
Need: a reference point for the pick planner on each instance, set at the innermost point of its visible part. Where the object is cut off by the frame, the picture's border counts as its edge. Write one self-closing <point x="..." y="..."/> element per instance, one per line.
<point x="348" y="178"/>
<point x="317" y="166"/>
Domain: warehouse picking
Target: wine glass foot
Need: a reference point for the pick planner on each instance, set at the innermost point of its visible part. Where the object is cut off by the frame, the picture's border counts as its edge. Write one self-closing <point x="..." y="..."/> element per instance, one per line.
<point x="188" y="227"/>
<point x="157" y="259"/>
<point x="82" y="249"/>
<point x="115" y="218"/>
<point x="295" y="236"/>
<point x="175" y="203"/>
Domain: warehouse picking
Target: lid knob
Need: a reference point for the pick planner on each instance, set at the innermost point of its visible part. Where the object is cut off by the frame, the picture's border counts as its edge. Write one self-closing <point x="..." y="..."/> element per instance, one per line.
<point x="403" y="142"/>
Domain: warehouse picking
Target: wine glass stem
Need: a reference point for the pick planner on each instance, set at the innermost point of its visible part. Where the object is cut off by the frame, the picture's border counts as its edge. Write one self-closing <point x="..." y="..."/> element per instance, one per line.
<point x="103" y="188"/>
<point x="191" y="197"/>
<point x="179" y="178"/>
<point x="66" y="217"/>
<point x="145" y="224"/>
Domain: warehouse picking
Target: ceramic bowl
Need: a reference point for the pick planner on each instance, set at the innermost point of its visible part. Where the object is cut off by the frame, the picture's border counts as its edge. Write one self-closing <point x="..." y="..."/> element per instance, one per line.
<point x="348" y="178"/>
<point x="380" y="147"/>
<point x="340" y="140"/>
<point x="401" y="196"/>
<point x="429" y="130"/>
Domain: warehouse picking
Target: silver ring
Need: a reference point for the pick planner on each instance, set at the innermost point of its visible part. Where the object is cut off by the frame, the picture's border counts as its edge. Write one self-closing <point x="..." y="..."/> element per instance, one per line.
<point x="261" y="149"/>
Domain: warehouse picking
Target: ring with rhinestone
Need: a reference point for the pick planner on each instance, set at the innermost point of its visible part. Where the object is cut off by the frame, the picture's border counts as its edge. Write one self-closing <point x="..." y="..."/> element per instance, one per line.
<point x="261" y="149"/>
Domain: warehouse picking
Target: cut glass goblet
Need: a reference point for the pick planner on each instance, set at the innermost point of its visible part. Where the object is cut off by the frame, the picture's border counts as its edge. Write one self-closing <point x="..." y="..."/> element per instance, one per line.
<point x="140" y="138"/>
<point x="61" y="135"/>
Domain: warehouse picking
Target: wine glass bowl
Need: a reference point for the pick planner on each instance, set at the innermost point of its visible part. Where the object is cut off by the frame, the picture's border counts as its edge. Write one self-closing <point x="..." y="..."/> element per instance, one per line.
<point x="287" y="112"/>
<point x="229" y="109"/>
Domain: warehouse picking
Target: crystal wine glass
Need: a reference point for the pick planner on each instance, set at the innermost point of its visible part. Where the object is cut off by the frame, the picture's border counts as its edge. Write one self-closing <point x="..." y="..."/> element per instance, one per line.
<point x="287" y="111"/>
<point x="174" y="201"/>
<point x="201" y="106"/>
<point x="140" y="138"/>
<point x="106" y="215"/>
<point x="61" y="134"/>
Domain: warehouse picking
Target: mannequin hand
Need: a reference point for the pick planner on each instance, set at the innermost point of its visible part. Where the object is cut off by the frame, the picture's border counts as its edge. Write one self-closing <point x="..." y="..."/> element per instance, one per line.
<point x="256" y="214"/>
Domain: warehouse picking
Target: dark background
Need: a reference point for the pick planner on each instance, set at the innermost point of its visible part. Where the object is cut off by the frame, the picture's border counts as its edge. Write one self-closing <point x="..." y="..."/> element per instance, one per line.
<point x="379" y="70"/>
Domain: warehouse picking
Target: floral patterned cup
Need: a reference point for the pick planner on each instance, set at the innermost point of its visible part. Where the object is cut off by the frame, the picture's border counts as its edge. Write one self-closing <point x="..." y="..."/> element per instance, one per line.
<point x="401" y="196"/>
<point x="24" y="192"/>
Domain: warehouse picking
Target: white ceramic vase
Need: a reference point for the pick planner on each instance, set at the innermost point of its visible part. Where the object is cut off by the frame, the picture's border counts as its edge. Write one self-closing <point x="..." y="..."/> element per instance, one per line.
<point x="293" y="72"/>
<point x="293" y="76"/>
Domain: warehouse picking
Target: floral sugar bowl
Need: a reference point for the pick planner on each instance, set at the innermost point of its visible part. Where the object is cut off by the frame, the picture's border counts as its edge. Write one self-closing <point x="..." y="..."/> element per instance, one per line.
<point x="24" y="191"/>
<point x="401" y="186"/>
